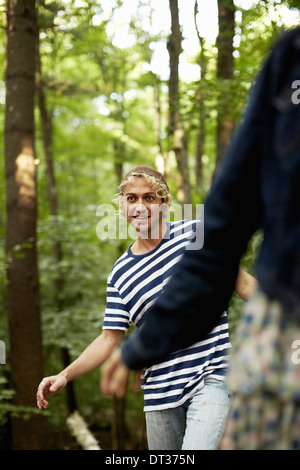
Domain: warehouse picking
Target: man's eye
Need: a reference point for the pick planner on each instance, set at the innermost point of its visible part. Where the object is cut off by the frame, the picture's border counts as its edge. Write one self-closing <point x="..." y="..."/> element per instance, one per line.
<point x="130" y="199"/>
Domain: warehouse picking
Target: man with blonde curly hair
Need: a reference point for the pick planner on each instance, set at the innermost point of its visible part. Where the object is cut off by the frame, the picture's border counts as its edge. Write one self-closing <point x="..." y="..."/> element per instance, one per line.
<point x="186" y="399"/>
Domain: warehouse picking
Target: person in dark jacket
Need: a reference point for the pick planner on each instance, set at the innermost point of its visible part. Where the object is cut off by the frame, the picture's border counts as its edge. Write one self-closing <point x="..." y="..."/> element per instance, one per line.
<point x="257" y="188"/>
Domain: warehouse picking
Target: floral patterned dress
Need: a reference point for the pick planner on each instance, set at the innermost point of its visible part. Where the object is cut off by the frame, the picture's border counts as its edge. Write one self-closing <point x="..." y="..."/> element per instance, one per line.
<point x="264" y="377"/>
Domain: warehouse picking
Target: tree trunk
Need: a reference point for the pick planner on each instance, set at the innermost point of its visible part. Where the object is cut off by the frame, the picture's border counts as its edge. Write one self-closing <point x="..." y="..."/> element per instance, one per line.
<point x="201" y="132"/>
<point x="176" y="128"/>
<point x="46" y="126"/>
<point x="225" y="121"/>
<point x="21" y="205"/>
<point x="119" y="431"/>
<point x="118" y="425"/>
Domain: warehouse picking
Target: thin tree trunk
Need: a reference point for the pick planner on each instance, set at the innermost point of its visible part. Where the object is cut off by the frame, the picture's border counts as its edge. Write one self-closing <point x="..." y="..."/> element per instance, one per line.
<point x="176" y="128"/>
<point x="118" y="425"/>
<point x="46" y="126"/>
<point x="225" y="121"/>
<point x="161" y="161"/>
<point x="119" y="430"/>
<point x="22" y="273"/>
<point x="201" y="132"/>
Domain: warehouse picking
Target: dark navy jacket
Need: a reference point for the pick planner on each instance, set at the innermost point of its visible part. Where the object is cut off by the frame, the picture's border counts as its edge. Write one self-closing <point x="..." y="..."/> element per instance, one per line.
<point x="258" y="187"/>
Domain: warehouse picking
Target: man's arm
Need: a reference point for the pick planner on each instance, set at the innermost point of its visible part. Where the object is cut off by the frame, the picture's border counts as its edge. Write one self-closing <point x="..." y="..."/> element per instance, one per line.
<point x="245" y="284"/>
<point x="91" y="358"/>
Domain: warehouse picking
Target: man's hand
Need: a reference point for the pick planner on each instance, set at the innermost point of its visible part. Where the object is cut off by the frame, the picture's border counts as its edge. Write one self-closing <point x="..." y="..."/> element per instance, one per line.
<point x="49" y="386"/>
<point x="114" y="376"/>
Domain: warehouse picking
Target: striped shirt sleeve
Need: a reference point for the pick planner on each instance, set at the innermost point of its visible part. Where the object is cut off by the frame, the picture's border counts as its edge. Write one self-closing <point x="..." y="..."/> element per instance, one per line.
<point x="116" y="315"/>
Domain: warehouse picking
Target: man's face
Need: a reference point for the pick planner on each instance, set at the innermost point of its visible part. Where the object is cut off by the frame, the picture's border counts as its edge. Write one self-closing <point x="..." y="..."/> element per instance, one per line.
<point x="142" y="208"/>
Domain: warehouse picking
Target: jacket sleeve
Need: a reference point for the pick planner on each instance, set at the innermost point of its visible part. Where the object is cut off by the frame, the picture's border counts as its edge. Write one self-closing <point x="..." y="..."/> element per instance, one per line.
<point x="199" y="292"/>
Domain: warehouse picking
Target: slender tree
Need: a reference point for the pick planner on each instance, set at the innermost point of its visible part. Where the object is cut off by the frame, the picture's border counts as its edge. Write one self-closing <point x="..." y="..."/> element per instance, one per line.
<point x="225" y="122"/>
<point x="176" y="128"/>
<point x="201" y="132"/>
<point x="46" y="125"/>
<point x="22" y="273"/>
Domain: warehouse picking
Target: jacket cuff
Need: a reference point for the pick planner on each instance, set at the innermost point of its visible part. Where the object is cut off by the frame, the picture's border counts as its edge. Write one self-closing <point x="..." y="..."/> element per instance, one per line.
<point x="133" y="353"/>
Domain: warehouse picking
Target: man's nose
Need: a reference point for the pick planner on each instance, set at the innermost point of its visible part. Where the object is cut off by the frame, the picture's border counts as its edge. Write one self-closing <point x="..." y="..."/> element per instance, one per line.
<point x="140" y="206"/>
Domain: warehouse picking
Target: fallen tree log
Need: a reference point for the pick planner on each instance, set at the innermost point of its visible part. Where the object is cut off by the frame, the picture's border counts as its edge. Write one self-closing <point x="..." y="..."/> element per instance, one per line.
<point x="79" y="430"/>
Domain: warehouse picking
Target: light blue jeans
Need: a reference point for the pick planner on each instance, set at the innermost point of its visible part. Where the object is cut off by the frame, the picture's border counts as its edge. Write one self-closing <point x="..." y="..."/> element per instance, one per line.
<point x="197" y="424"/>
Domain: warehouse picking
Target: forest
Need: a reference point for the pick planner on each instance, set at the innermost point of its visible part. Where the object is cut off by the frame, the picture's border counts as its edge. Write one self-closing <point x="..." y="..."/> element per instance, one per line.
<point x="88" y="90"/>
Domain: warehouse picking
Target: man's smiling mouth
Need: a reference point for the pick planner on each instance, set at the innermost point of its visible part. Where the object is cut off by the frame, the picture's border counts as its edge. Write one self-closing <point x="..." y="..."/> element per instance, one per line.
<point x="139" y="217"/>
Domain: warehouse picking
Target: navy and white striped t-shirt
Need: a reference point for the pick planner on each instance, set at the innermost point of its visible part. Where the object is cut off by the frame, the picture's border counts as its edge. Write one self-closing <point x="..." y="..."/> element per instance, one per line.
<point x="133" y="285"/>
